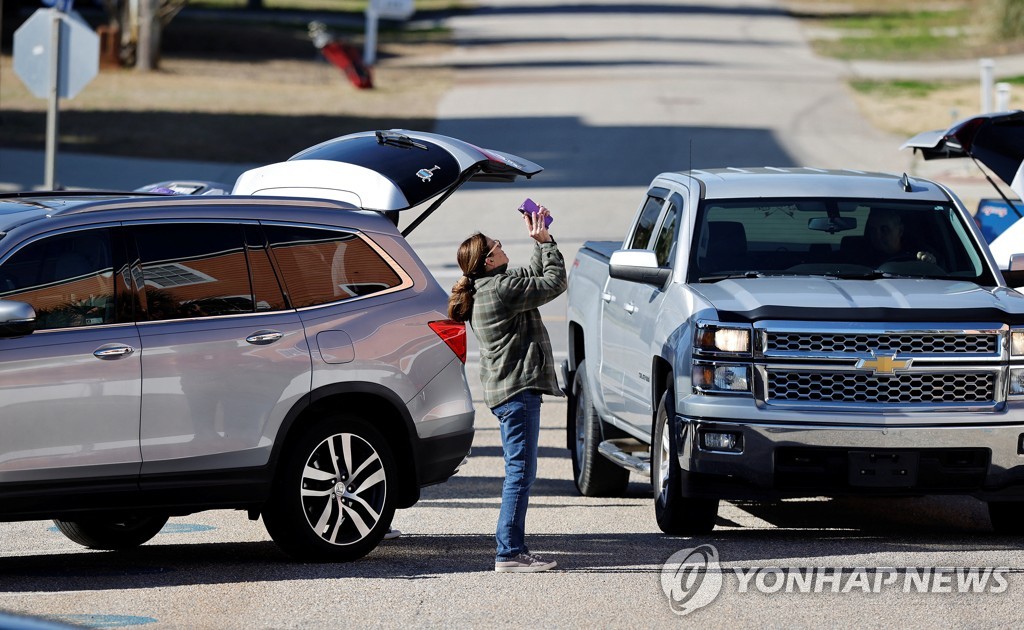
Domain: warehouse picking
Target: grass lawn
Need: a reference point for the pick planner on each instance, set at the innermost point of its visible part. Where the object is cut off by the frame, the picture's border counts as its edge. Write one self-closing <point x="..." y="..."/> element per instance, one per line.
<point x="912" y="30"/>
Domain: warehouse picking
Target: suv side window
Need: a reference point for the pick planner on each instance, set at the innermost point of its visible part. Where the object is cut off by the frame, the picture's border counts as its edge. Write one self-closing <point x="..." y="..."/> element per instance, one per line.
<point x="193" y="270"/>
<point x="323" y="266"/>
<point x="68" y="279"/>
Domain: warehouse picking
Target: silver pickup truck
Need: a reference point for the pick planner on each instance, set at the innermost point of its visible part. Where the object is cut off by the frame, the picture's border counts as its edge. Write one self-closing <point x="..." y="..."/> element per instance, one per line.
<point x="769" y="333"/>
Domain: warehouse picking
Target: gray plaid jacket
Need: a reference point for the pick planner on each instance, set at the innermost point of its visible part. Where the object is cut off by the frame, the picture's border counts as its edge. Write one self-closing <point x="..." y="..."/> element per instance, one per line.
<point x="515" y="351"/>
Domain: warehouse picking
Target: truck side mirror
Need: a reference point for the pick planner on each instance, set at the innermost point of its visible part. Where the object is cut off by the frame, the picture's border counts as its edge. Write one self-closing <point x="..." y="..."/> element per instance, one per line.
<point x="638" y="265"/>
<point x="16" y="319"/>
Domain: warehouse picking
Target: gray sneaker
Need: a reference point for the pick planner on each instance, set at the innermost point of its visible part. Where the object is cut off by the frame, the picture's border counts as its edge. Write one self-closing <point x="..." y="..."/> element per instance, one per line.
<point x="392" y="534"/>
<point x="524" y="563"/>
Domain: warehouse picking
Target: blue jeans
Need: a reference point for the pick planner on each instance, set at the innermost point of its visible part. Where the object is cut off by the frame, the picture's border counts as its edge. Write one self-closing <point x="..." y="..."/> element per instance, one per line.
<point x="519" y="418"/>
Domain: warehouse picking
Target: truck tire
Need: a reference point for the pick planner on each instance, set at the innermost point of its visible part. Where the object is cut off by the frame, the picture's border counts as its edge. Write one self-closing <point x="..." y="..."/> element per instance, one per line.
<point x="595" y="475"/>
<point x="335" y="492"/>
<point x="1007" y="516"/>
<point x="112" y="534"/>
<point x="677" y="515"/>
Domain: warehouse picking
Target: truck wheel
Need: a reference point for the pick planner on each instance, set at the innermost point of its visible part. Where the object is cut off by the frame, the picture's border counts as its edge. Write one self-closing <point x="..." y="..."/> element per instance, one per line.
<point x="1007" y="516"/>
<point x="112" y="534"/>
<point x="595" y="475"/>
<point x="335" y="491"/>
<point x="677" y="515"/>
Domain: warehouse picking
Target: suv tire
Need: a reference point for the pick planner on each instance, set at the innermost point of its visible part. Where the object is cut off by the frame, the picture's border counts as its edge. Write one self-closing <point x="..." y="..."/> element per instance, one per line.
<point x="335" y="492"/>
<point x="112" y="534"/>
<point x="595" y="475"/>
<point x="676" y="515"/>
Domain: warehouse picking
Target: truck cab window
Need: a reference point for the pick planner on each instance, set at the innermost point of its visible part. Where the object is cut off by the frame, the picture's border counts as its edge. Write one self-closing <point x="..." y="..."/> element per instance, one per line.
<point x="645" y="224"/>
<point x="666" y="240"/>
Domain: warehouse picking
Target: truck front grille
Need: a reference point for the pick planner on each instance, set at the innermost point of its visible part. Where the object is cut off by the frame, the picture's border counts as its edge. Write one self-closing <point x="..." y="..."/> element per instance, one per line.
<point x="858" y="387"/>
<point x="902" y="343"/>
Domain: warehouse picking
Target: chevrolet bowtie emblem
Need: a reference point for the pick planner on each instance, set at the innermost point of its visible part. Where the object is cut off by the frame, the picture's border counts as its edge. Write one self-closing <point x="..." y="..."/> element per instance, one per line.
<point x="882" y="364"/>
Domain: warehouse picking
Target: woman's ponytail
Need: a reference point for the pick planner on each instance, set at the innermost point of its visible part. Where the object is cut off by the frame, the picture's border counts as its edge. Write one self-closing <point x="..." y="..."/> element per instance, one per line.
<point x="470" y="257"/>
<point x="460" y="304"/>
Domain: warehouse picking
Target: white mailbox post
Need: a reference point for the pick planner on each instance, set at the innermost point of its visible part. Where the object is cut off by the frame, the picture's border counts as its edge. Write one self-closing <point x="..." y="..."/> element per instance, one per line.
<point x="389" y="10"/>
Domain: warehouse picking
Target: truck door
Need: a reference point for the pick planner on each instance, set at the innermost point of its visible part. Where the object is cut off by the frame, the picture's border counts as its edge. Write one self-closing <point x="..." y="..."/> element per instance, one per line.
<point x="644" y="306"/>
<point x="618" y="324"/>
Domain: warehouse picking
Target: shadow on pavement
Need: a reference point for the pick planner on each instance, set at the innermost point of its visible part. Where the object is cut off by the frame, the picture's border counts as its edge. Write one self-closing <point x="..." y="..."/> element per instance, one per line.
<point x="435" y="556"/>
<point x="578" y="155"/>
<point x="572" y="152"/>
<point x="175" y="135"/>
<point x="638" y="8"/>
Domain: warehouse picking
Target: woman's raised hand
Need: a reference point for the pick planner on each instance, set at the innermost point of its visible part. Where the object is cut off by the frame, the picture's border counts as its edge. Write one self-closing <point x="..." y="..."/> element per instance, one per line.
<point x="535" y="224"/>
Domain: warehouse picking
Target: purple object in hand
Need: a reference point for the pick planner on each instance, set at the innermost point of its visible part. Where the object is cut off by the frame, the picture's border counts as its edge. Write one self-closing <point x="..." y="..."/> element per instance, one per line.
<point x="531" y="206"/>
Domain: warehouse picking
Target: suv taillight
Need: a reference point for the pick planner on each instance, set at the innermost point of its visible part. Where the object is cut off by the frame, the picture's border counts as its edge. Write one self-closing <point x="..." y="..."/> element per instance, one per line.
<point x="452" y="333"/>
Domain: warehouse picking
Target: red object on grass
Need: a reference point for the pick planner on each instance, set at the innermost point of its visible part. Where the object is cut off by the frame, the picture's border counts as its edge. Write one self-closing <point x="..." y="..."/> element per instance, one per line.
<point x="347" y="57"/>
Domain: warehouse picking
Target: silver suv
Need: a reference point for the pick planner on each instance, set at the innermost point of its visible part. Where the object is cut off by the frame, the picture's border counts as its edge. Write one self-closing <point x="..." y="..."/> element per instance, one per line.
<point x="289" y="356"/>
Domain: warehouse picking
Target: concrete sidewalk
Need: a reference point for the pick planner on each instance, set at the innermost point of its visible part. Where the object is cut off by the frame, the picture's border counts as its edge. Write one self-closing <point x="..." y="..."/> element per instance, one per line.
<point x="958" y="70"/>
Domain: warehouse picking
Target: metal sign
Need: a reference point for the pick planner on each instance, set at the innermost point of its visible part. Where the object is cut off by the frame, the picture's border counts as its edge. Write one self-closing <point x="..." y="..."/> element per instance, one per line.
<point x="56" y="54"/>
<point x="392" y="9"/>
<point x="78" y="57"/>
<point x="61" y="5"/>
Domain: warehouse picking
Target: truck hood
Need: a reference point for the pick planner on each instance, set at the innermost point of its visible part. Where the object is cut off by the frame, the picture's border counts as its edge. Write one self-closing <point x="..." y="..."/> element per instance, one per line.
<point x="817" y="298"/>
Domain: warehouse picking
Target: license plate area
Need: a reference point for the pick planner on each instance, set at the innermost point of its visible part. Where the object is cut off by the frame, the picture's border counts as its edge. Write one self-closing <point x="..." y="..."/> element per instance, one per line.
<point x="883" y="469"/>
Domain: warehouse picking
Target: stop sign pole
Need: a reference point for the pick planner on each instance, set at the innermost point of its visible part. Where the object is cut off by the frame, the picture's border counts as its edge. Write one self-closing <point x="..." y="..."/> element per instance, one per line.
<point x="53" y="101"/>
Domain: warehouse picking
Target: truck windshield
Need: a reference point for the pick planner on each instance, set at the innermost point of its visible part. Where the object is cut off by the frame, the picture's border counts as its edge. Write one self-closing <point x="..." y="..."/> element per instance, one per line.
<point x="854" y="238"/>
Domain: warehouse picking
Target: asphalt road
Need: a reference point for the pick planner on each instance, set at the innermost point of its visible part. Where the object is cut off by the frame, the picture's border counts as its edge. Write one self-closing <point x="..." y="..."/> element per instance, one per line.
<point x="605" y="95"/>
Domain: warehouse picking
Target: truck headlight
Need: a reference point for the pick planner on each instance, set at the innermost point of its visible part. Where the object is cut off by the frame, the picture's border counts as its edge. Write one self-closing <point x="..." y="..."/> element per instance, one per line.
<point x="1016" y="382"/>
<point x="1017" y="343"/>
<point x="721" y="377"/>
<point x="716" y="338"/>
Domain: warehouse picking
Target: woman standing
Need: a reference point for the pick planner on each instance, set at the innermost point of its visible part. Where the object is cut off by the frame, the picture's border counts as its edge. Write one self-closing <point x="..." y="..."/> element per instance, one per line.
<point x="516" y="366"/>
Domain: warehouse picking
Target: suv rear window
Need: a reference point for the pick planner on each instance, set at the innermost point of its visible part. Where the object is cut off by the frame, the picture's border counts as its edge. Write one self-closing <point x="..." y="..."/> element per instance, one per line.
<point x="324" y="266"/>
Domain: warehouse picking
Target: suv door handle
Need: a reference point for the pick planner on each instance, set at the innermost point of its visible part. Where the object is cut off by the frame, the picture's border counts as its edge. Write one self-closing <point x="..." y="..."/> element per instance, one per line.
<point x="112" y="351"/>
<point x="264" y="337"/>
<point x="607" y="297"/>
<point x="631" y="308"/>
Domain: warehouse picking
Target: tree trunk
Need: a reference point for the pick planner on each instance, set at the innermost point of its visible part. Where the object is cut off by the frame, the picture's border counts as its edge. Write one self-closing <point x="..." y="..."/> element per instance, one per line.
<point x="148" y="49"/>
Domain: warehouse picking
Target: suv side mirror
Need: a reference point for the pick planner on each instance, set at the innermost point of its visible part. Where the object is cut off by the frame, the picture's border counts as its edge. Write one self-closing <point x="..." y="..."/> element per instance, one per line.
<point x="16" y="319"/>
<point x="638" y="265"/>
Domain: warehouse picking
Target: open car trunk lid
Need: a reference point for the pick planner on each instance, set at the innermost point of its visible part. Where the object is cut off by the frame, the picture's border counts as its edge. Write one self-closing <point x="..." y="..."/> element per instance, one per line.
<point x="385" y="171"/>
<point x="996" y="140"/>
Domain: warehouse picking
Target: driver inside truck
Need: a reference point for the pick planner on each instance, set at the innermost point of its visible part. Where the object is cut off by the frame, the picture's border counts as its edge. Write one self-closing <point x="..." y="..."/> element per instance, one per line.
<point x="885" y="232"/>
